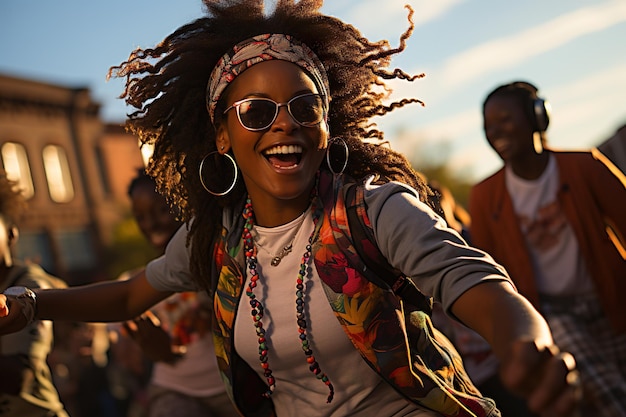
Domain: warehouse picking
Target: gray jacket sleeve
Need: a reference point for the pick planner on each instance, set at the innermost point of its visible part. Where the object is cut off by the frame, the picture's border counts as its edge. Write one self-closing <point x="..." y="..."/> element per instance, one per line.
<point x="415" y="240"/>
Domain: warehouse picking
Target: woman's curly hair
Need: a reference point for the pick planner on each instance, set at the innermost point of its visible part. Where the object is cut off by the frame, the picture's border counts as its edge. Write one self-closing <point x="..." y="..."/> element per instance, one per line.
<point x="167" y="85"/>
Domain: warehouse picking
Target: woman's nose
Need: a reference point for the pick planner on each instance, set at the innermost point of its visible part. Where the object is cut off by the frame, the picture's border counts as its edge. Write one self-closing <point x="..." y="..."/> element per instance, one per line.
<point x="284" y="120"/>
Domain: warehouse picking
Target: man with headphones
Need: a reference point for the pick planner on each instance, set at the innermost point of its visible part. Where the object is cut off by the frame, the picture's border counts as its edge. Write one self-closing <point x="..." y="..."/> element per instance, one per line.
<point x="555" y="220"/>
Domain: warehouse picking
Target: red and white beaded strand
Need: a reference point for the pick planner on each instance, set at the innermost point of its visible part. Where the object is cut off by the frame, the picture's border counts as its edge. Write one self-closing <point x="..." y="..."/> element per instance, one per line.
<point x="257" y="306"/>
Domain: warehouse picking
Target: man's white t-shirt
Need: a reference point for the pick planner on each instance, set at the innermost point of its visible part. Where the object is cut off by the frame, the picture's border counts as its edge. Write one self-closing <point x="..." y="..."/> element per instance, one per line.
<point x="558" y="266"/>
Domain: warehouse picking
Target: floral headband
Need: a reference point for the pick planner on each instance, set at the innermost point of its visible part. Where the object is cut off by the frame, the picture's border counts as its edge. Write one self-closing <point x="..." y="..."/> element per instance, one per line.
<point x="262" y="48"/>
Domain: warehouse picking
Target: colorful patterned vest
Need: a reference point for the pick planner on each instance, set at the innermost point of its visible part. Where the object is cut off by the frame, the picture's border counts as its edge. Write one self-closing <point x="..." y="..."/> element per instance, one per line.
<point x="377" y="322"/>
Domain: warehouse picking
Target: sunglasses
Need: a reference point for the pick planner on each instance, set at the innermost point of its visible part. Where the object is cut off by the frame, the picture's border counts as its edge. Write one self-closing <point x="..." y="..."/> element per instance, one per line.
<point x="260" y="113"/>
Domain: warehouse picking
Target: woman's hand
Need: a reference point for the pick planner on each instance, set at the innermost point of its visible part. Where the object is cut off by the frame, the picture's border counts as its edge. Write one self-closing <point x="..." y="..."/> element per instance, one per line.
<point x="546" y="377"/>
<point x="530" y="364"/>
<point x="154" y="341"/>
<point x="4" y="309"/>
<point x="11" y="317"/>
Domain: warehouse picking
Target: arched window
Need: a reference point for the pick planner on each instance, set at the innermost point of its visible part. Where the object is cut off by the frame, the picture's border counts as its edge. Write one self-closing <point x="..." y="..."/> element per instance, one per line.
<point x="17" y="168"/>
<point x="58" y="174"/>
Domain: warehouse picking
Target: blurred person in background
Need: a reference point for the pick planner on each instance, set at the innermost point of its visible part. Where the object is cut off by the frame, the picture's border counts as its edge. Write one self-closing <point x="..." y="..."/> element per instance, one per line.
<point x="26" y="387"/>
<point x="556" y="221"/>
<point x="176" y="333"/>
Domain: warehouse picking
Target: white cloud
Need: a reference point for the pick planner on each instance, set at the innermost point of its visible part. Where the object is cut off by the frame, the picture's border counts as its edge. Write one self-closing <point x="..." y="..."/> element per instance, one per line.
<point x="585" y="112"/>
<point x="450" y="127"/>
<point x="589" y="109"/>
<point x="509" y="51"/>
<point x="383" y="19"/>
<point x="583" y="88"/>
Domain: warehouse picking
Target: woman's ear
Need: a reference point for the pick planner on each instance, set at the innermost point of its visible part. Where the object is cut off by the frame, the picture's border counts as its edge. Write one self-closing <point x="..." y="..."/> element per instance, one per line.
<point x="222" y="139"/>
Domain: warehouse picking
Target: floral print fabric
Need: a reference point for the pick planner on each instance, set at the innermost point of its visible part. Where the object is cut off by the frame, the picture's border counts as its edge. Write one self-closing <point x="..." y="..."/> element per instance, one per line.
<point x="262" y="48"/>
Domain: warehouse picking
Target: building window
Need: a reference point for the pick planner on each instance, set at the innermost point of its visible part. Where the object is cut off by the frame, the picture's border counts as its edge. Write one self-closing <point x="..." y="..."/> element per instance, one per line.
<point x="58" y="174"/>
<point x="17" y="168"/>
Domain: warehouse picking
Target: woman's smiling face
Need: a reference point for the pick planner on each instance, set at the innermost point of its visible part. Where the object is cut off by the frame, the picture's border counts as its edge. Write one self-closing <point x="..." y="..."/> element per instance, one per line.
<point x="279" y="162"/>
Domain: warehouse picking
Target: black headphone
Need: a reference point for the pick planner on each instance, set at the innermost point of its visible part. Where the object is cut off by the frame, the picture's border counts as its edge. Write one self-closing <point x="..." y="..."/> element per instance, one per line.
<point x="541" y="112"/>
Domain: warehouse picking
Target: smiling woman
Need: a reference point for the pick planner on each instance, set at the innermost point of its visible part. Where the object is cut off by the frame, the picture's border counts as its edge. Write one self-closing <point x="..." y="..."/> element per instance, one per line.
<point x="281" y="97"/>
<point x="279" y="181"/>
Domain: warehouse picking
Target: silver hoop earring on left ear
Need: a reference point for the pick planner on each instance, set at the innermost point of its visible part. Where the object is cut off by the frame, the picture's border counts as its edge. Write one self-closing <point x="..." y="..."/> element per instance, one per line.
<point x="235" y="174"/>
<point x="346" y="153"/>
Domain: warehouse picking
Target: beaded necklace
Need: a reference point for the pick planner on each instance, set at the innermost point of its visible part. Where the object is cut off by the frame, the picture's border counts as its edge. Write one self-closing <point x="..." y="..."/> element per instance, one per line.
<point x="250" y="251"/>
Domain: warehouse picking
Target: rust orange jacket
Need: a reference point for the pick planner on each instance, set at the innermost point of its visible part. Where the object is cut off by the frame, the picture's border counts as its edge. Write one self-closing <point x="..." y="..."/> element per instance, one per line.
<point x="592" y="194"/>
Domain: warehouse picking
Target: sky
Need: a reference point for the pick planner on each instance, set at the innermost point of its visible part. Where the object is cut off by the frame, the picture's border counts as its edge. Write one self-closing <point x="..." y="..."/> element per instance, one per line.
<point x="574" y="51"/>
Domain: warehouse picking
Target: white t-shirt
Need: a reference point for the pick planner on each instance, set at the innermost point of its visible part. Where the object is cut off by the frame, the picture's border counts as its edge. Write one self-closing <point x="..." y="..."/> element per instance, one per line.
<point x="558" y="266"/>
<point x="358" y="388"/>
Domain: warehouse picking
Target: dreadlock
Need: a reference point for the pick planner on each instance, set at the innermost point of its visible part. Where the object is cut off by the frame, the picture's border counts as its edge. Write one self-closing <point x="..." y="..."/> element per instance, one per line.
<point x="166" y="85"/>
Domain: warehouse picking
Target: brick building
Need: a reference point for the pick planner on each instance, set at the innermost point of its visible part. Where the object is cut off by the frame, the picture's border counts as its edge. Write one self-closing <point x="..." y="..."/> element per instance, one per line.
<point x="74" y="170"/>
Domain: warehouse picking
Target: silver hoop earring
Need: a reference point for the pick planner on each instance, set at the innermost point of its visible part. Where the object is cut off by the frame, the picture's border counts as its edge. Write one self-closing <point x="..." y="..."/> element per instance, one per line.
<point x="346" y="151"/>
<point x="235" y="174"/>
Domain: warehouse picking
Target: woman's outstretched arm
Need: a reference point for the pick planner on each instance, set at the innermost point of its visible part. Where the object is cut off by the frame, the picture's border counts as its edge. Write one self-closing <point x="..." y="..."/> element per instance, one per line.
<point x="100" y="302"/>
<point x="530" y="363"/>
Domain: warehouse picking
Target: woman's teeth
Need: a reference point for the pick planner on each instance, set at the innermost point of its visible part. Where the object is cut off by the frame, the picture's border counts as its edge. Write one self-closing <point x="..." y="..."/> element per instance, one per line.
<point x="284" y="150"/>
<point x="284" y="156"/>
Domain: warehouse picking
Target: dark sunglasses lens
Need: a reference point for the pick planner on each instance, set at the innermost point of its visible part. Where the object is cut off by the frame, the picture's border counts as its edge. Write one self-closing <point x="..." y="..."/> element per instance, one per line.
<point x="257" y="113"/>
<point x="307" y="110"/>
